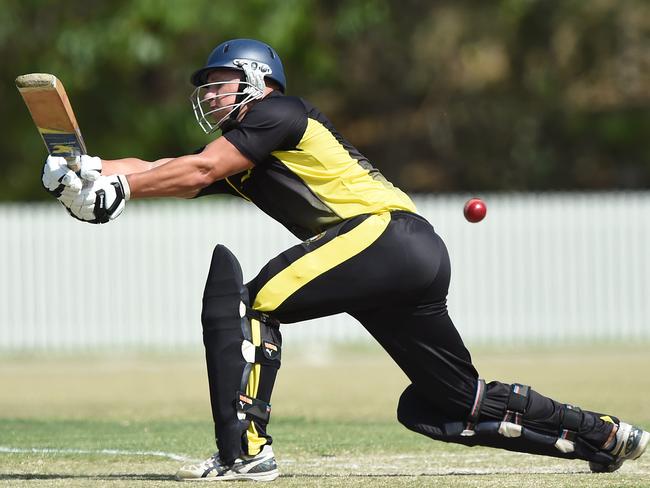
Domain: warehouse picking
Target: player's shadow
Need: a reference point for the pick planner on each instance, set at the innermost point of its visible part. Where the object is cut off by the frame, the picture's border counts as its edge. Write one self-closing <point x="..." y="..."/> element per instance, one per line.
<point x="56" y="476"/>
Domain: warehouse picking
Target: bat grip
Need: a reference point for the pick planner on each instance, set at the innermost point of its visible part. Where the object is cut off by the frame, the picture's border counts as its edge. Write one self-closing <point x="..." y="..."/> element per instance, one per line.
<point x="74" y="161"/>
<point x="73" y="164"/>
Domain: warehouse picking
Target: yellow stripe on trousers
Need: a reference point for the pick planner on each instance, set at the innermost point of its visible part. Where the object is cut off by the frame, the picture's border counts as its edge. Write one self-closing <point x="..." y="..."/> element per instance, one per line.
<point x="313" y="264"/>
<point x="255" y="442"/>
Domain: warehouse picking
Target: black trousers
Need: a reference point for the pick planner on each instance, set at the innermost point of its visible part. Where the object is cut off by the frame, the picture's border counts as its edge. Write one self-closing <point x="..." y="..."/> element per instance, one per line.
<point x="391" y="272"/>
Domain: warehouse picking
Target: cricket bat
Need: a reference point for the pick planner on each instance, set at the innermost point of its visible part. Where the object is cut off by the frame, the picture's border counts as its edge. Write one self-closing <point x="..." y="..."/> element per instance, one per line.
<point x="48" y="103"/>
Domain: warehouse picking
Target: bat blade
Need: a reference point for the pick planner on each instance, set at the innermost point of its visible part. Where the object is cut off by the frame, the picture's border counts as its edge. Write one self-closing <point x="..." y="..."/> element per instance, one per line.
<point x="50" y="108"/>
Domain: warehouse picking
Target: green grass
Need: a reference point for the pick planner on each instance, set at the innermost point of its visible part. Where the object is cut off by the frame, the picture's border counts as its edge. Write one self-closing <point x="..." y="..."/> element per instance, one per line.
<point x="109" y="421"/>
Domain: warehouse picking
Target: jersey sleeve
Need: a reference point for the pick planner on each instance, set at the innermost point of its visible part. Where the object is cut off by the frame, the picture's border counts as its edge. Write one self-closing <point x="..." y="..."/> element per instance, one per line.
<point x="271" y="124"/>
<point x="219" y="187"/>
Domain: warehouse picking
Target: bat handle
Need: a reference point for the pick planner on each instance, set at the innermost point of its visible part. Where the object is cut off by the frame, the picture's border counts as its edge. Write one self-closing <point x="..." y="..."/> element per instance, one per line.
<point x="73" y="165"/>
<point x="73" y="162"/>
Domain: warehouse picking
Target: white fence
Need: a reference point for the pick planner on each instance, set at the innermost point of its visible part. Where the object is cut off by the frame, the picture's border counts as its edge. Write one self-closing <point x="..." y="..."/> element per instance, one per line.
<point x="540" y="268"/>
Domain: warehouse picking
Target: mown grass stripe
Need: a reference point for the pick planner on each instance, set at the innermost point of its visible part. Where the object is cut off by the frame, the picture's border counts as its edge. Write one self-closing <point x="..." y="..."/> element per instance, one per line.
<point x="111" y="452"/>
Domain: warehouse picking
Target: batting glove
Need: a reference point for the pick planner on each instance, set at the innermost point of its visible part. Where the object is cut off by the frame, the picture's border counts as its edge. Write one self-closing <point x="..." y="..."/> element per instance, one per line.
<point x="59" y="180"/>
<point x="90" y="167"/>
<point x="102" y="200"/>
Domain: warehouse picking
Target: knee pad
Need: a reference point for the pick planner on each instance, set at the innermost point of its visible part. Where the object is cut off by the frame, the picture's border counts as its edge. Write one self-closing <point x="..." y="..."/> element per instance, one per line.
<point x="561" y="440"/>
<point x="243" y="352"/>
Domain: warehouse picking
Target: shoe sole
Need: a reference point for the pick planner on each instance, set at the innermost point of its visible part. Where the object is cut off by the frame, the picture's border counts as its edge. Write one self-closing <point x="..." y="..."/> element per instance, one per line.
<point x="230" y="476"/>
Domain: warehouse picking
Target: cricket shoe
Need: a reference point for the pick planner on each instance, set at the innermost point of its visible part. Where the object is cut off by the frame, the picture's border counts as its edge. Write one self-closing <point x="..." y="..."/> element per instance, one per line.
<point x="261" y="467"/>
<point x="631" y="443"/>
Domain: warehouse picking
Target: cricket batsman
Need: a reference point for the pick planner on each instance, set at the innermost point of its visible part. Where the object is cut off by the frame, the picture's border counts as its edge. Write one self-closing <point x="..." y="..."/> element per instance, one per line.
<point x="365" y="251"/>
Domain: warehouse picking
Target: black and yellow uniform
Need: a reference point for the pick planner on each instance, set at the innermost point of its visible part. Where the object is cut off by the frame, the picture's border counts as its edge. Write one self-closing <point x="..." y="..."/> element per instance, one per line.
<point x="306" y="176"/>
<point x="366" y="252"/>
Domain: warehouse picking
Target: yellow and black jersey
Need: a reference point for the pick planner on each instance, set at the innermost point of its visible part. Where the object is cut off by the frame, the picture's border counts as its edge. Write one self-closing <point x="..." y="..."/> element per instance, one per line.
<point x="306" y="175"/>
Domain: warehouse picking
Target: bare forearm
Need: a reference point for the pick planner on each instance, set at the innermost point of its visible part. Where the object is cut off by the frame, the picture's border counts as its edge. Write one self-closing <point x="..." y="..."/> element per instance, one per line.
<point x="179" y="177"/>
<point x="127" y="166"/>
<point x="184" y="176"/>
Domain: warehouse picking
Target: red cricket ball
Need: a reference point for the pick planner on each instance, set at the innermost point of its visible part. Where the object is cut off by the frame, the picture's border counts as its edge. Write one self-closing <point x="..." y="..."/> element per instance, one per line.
<point x="475" y="210"/>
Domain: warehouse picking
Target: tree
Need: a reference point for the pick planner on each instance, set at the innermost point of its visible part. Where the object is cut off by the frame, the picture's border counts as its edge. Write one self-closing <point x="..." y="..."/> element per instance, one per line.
<point x="442" y="96"/>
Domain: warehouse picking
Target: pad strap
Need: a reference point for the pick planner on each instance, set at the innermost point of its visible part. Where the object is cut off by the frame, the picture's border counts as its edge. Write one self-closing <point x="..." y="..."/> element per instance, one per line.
<point x="268" y="354"/>
<point x="570" y="422"/>
<point x="475" y="411"/>
<point x="517" y="403"/>
<point x="252" y="407"/>
<point x="262" y="317"/>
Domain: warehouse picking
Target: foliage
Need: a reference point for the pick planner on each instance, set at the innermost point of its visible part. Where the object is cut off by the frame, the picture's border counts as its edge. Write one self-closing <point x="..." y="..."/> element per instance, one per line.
<point x="442" y="96"/>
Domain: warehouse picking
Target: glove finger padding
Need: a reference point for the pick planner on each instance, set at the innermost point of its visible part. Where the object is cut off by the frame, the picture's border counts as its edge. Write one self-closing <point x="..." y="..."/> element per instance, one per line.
<point x="90" y="167"/>
<point x="57" y="176"/>
<point x="68" y="196"/>
<point x="71" y="180"/>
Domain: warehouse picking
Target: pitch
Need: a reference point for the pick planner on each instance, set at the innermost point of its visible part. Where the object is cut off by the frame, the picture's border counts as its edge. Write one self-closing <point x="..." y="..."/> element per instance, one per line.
<point x="132" y="419"/>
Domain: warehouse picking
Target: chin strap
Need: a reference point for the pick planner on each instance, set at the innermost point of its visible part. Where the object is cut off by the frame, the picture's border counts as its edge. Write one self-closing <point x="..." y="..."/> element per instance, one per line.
<point x="232" y="119"/>
<point x="251" y="86"/>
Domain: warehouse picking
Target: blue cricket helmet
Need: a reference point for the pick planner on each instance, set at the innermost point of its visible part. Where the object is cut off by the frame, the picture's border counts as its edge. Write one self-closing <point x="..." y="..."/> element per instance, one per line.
<point x="224" y="55"/>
